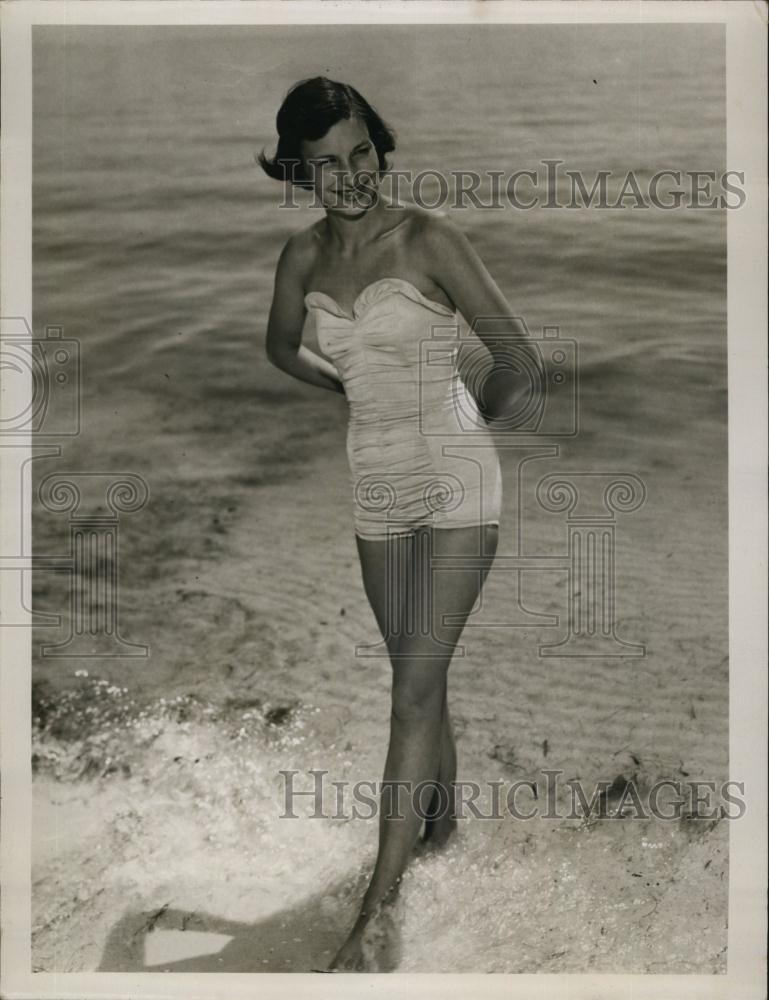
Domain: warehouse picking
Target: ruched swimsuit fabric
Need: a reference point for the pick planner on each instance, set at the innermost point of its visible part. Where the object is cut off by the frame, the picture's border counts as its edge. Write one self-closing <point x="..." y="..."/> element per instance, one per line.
<point x="419" y="451"/>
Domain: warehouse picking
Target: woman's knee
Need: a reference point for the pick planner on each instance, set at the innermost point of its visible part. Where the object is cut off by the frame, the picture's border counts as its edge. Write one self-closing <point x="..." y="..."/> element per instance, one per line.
<point x="418" y="693"/>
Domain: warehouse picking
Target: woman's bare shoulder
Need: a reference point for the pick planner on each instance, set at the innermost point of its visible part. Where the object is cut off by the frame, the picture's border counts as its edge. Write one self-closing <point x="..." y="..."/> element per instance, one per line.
<point x="301" y="249"/>
<point x="427" y="226"/>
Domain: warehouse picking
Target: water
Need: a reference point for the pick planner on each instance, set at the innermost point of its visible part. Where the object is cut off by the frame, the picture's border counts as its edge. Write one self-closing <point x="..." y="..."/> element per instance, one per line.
<point x="156" y="235"/>
<point x="179" y="857"/>
<point x="155" y="243"/>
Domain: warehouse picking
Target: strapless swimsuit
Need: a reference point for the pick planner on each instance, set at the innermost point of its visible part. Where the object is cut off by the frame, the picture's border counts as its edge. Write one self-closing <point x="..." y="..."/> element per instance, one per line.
<point x="419" y="452"/>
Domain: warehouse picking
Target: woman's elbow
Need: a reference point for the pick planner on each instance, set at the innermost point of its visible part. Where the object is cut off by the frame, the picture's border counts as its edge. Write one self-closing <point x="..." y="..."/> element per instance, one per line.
<point x="280" y="358"/>
<point x="274" y="355"/>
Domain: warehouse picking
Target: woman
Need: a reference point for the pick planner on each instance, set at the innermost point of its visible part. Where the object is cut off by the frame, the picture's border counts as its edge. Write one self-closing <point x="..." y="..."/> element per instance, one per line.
<point x="380" y="277"/>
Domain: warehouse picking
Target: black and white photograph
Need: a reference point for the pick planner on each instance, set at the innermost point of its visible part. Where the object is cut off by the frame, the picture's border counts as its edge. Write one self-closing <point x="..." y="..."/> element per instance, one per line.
<point x="383" y="544"/>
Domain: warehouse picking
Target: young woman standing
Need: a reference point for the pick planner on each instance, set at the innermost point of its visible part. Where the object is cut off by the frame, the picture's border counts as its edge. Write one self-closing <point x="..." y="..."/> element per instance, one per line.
<point x="379" y="276"/>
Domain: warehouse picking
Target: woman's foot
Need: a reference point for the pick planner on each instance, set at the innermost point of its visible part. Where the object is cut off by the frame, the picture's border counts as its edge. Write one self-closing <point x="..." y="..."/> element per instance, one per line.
<point x="439" y="822"/>
<point x="350" y="957"/>
<point x="373" y="945"/>
<point x="438" y="831"/>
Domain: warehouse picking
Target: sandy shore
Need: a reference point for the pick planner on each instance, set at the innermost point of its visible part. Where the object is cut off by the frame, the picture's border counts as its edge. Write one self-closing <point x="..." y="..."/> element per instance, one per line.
<point x="157" y="799"/>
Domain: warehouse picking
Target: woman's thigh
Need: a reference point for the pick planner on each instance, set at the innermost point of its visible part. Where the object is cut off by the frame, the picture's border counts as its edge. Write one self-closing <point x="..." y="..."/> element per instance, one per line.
<point x="440" y="597"/>
<point x="421" y="607"/>
<point x="386" y="567"/>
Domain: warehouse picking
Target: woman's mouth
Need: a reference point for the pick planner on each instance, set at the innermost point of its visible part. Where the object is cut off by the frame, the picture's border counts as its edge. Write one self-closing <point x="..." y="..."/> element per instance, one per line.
<point x="356" y="196"/>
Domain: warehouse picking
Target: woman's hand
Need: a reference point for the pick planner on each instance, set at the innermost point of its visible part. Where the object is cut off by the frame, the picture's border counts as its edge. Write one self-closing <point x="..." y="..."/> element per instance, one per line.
<point x="503" y="396"/>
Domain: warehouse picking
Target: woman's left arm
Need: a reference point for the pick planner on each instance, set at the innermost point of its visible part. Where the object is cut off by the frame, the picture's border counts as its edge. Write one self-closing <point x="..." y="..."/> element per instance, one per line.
<point x="454" y="264"/>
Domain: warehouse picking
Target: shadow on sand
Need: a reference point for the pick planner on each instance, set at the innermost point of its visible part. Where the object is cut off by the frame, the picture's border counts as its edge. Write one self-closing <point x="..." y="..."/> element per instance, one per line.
<point x="301" y="939"/>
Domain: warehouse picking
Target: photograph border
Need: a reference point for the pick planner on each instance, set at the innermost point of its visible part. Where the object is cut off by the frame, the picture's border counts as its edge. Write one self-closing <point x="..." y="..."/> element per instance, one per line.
<point x="746" y="65"/>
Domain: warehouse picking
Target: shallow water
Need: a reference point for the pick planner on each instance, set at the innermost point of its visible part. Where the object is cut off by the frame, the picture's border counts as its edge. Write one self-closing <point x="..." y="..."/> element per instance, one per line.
<point x="156" y="235"/>
<point x="188" y="853"/>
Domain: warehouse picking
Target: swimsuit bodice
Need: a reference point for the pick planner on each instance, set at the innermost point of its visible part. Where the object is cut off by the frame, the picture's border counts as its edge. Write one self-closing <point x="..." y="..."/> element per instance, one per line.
<point x="417" y="446"/>
<point x="396" y="349"/>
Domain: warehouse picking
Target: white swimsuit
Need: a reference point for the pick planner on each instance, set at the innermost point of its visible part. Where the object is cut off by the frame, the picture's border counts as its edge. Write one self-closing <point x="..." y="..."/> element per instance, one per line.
<point x="419" y="451"/>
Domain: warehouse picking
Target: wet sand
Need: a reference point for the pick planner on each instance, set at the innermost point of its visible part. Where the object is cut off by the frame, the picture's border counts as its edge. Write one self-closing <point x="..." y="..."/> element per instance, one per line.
<point x="158" y="794"/>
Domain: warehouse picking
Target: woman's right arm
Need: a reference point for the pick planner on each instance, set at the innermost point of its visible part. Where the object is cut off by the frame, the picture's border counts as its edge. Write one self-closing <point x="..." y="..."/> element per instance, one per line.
<point x="284" y="327"/>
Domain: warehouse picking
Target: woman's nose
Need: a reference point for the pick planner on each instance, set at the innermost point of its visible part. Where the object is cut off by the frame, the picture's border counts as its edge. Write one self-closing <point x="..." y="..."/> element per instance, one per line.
<point x="344" y="175"/>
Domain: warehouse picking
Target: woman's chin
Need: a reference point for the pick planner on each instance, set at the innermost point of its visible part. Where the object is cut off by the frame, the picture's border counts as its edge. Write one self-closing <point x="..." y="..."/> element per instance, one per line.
<point x="352" y="207"/>
<point x="351" y="212"/>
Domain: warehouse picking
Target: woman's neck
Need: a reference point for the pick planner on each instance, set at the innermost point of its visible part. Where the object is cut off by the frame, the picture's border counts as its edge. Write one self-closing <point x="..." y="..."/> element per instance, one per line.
<point x="352" y="233"/>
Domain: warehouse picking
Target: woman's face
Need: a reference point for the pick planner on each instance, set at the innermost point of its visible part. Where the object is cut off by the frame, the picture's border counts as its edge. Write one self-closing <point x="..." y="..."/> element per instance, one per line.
<point x="343" y="167"/>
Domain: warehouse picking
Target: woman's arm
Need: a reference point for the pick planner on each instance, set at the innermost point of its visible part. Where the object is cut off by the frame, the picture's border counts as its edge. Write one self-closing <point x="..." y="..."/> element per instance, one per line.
<point x="284" y="327"/>
<point x="454" y="264"/>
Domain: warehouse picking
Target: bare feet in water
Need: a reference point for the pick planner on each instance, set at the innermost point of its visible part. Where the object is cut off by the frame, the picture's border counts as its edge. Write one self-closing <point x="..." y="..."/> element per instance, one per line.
<point x="350" y="957"/>
<point x="439" y="821"/>
<point x="373" y="944"/>
<point x="438" y="831"/>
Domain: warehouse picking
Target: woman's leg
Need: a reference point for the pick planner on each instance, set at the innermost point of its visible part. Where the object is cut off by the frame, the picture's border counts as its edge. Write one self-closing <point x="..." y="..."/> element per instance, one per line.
<point x="385" y="573"/>
<point x="439" y="821"/>
<point x="385" y="567"/>
<point x="421" y="659"/>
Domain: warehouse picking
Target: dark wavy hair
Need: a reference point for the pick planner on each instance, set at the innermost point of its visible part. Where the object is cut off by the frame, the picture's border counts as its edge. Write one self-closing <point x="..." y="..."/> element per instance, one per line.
<point x="308" y="111"/>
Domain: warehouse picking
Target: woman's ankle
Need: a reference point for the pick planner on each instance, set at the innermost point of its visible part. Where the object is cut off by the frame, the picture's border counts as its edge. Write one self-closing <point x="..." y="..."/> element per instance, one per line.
<point x="374" y="904"/>
<point x="443" y="801"/>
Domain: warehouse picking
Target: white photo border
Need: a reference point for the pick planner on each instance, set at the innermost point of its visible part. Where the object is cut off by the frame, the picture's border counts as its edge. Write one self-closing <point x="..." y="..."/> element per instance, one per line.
<point x="746" y="63"/>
